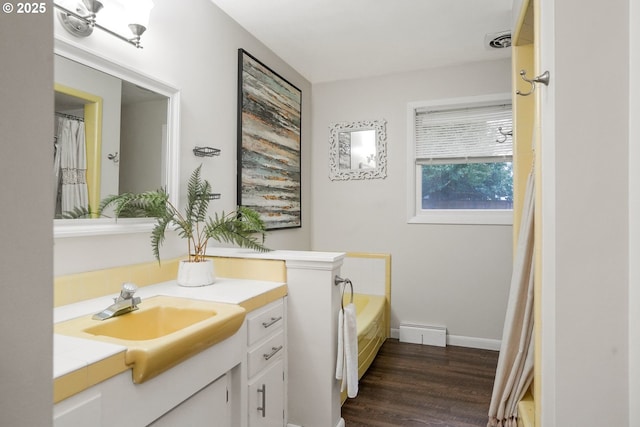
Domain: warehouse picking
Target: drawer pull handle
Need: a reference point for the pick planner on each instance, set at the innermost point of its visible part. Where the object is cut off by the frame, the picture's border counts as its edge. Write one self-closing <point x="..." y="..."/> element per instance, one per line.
<point x="274" y="350"/>
<point x="271" y="322"/>
<point x="263" y="408"/>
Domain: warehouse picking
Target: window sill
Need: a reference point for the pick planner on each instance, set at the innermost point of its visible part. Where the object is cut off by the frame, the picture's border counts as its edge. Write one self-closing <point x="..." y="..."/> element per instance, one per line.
<point x="468" y="217"/>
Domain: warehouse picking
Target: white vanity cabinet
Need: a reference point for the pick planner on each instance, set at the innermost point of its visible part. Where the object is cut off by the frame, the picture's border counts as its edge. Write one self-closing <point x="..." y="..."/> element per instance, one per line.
<point x="115" y="405"/>
<point x="209" y="406"/>
<point x="266" y="365"/>
<point x="197" y="392"/>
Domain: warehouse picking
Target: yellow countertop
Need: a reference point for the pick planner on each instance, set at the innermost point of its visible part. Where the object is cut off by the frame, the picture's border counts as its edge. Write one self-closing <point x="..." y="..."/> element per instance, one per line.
<point x="81" y="363"/>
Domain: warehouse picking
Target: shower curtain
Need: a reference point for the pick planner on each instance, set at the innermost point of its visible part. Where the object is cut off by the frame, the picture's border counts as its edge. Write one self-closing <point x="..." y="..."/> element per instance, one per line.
<point x="515" y="362"/>
<point x="70" y="165"/>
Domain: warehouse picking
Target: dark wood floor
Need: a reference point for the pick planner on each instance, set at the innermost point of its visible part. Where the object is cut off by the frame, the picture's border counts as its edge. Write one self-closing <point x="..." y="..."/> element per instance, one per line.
<point x="416" y="385"/>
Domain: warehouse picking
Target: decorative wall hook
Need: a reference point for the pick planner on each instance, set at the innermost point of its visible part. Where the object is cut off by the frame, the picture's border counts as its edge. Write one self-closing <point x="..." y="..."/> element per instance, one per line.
<point x="542" y="78"/>
<point x="505" y="135"/>
<point x="115" y="157"/>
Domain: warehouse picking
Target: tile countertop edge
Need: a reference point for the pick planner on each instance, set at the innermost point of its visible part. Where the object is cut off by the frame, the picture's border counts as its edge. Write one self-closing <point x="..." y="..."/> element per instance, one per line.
<point x="75" y="359"/>
<point x="283" y="255"/>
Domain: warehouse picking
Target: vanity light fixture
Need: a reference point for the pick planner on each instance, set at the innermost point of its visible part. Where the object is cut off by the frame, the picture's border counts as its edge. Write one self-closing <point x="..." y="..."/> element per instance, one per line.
<point x="79" y="17"/>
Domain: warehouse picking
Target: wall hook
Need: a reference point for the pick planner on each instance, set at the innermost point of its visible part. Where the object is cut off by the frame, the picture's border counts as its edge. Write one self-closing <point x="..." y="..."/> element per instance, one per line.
<point x="505" y="135"/>
<point x="114" y="156"/>
<point x="542" y="78"/>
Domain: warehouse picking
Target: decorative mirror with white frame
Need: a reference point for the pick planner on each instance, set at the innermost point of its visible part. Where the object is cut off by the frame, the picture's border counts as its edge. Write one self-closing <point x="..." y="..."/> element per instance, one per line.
<point x="165" y="148"/>
<point x="358" y="150"/>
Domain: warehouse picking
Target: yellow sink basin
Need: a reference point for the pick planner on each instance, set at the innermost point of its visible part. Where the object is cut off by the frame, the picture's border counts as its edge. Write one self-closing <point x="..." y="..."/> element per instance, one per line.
<point x="152" y="323"/>
<point x="162" y="333"/>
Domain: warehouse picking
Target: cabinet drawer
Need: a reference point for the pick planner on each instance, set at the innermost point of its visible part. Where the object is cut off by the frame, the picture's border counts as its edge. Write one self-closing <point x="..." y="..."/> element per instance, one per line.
<point x="265" y="322"/>
<point x="270" y="350"/>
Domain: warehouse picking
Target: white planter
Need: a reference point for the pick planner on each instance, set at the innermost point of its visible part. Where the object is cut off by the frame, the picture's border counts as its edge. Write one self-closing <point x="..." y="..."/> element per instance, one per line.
<point x="196" y="273"/>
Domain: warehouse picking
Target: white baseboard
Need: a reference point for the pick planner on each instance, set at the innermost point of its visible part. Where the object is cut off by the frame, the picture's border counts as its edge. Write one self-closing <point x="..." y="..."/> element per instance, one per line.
<point x="340" y="424"/>
<point x="474" y="342"/>
<point x="462" y="341"/>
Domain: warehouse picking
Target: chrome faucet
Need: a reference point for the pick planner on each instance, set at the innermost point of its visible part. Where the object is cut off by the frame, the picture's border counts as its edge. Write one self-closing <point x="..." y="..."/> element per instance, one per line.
<point x="122" y="304"/>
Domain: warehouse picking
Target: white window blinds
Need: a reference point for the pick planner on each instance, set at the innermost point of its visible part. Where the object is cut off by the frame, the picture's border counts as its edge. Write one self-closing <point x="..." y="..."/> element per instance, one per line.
<point x="463" y="134"/>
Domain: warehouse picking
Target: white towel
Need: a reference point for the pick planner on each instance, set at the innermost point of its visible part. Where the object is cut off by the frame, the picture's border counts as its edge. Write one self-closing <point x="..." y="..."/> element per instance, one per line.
<point x="340" y="359"/>
<point x="347" y="360"/>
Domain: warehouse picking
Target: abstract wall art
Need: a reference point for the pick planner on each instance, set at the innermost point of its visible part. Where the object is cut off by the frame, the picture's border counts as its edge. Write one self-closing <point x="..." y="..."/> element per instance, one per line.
<point x="269" y="119"/>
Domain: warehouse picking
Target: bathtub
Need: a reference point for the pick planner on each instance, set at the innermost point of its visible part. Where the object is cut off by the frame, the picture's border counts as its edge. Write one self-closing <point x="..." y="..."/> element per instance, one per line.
<point x="371" y="319"/>
<point x="370" y="274"/>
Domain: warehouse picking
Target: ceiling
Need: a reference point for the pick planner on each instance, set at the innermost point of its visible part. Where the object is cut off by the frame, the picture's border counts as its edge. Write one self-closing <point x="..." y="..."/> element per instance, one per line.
<point x="328" y="40"/>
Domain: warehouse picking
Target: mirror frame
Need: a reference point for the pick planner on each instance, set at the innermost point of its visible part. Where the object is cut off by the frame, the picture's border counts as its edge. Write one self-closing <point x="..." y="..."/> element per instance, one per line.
<point x="379" y="172"/>
<point x="103" y="226"/>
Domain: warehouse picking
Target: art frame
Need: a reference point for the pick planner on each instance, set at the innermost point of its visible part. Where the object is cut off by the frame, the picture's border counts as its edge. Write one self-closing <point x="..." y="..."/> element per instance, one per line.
<point x="269" y="144"/>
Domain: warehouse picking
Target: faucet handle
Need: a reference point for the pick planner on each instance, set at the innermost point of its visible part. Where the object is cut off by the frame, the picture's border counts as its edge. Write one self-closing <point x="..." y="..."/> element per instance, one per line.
<point x="128" y="289"/>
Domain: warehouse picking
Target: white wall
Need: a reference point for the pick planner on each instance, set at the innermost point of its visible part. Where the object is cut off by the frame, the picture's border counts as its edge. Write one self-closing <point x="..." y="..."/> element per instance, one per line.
<point x="143" y="127"/>
<point x="634" y="216"/>
<point x="545" y="373"/>
<point x="452" y="275"/>
<point x="192" y="48"/>
<point x="26" y="261"/>
<point x="591" y="213"/>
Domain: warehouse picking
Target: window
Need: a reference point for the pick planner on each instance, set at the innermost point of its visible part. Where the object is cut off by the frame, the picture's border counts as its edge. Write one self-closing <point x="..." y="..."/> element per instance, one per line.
<point x="460" y="164"/>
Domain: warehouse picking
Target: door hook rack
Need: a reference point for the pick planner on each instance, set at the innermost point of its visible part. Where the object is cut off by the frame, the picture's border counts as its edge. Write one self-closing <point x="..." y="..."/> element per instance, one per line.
<point x="542" y="78"/>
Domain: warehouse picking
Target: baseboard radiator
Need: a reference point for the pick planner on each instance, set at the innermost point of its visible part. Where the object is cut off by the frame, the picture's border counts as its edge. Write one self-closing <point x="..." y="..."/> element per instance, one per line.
<point x="423" y="334"/>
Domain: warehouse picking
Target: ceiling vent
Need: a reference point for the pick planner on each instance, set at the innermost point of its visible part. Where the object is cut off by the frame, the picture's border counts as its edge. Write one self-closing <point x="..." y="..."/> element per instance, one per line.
<point x="498" y="40"/>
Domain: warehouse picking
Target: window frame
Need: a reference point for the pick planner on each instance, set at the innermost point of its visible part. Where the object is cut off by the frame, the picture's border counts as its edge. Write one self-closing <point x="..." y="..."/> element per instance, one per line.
<point x="417" y="215"/>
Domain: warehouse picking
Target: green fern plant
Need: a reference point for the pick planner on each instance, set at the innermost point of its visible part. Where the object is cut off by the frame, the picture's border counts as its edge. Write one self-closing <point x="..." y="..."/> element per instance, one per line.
<point x="242" y="227"/>
<point x="79" y="212"/>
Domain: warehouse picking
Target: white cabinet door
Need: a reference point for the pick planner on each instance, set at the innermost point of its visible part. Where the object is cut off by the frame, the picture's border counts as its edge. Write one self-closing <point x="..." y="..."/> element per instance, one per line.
<point x="86" y="412"/>
<point x="266" y="397"/>
<point x="206" y="408"/>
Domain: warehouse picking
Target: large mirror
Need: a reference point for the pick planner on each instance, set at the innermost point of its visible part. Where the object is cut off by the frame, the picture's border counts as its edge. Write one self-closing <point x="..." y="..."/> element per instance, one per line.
<point x="357" y="150"/>
<point x="122" y="130"/>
